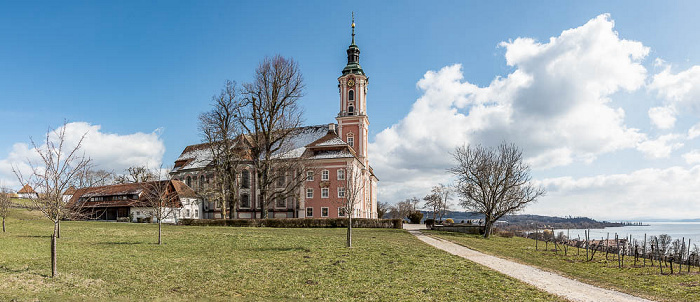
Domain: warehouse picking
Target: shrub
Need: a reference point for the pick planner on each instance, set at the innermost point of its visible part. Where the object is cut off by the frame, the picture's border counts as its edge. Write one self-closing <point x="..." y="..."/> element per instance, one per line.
<point x="429" y="222"/>
<point x="505" y="234"/>
<point x="415" y="217"/>
<point x="297" y="223"/>
<point x="449" y="221"/>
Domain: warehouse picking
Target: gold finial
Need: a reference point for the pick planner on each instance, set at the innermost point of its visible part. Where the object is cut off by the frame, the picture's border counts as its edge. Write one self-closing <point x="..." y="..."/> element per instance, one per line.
<point x="353" y="19"/>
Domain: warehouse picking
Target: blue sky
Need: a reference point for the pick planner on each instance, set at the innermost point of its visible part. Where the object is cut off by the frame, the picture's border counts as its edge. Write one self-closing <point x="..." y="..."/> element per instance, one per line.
<point x="138" y="73"/>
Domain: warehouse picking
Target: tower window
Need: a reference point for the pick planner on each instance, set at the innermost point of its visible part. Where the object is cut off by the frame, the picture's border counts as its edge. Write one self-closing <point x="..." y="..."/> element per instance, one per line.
<point x="351" y="140"/>
<point x="351" y="95"/>
<point x="351" y="110"/>
<point x="245" y="179"/>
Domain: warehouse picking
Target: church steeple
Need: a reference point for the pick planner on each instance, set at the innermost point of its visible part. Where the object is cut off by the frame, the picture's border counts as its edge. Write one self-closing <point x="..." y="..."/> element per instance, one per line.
<point x="353" y="51"/>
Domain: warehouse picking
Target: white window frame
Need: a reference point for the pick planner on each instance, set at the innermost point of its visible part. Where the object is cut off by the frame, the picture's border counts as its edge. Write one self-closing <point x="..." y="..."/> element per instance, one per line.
<point x="340" y="174"/>
<point x="341" y="189"/>
<point x="309" y="193"/>
<point x="196" y="213"/>
<point x="341" y="210"/>
<point x="351" y="141"/>
<point x="307" y="212"/>
<point x="309" y="175"/>
<point x="324" y="190"/>
<point x="327" y="212"/>
<point x="325" y="175"/>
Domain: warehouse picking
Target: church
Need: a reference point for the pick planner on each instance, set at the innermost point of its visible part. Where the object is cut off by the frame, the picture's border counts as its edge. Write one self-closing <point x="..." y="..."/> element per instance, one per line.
<point x="329" y="151"/>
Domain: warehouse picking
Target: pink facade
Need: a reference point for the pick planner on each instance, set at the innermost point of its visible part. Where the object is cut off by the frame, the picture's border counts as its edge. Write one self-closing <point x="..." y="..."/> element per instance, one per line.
<point x="328" y="148"/>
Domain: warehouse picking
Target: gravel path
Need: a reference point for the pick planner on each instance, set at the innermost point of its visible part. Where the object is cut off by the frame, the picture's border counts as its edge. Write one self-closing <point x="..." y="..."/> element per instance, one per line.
<point x="550" y="282"/>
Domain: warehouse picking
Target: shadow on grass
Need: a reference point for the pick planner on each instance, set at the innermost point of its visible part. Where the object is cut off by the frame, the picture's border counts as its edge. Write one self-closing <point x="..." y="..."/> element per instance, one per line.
<point x="281" y="249"/>
<point x="121" y="243"/>
<point x="34" y="236"/>
<point x="22" y="270"/>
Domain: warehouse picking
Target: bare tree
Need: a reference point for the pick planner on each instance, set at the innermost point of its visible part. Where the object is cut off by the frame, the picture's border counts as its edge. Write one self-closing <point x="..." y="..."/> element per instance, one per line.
<point x="404" y="208"/>
<point x="270" y="116"/>
<point x="219" y="128"/>
<point x="136" y="174"/>
<point x="59" y="166"/>
<point x="493" y="181"/>
<point x="443" y="192"/>
<point x="91" y="177"/>
<point x="382" y="209"/>
<point x="5" y="202"/>
<point x="160" y="197"/>
<point x="351" y="194"/>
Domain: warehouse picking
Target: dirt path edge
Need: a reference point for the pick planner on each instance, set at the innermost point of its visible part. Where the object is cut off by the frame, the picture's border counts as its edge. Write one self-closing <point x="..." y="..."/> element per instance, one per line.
<point x="547" y="281"/>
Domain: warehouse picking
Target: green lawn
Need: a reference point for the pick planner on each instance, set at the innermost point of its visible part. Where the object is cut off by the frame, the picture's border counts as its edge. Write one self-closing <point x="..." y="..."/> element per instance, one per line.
<point x="101" y="260"/>
<point x="640" y="281"/>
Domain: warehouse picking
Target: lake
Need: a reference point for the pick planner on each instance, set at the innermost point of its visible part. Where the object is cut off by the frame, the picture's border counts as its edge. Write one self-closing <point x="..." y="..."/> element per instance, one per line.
<point x="677" y="230"/>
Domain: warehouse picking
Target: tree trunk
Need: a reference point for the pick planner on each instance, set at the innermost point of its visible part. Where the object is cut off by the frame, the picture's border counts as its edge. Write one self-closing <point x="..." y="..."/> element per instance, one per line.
<point x="58" y="229"/>
<point x="54" y="269"/>
<point x="3" y="224"/>
<point x="487" y="228"/>
<point x="159" y="232"/>
<point x="349" y="239"/>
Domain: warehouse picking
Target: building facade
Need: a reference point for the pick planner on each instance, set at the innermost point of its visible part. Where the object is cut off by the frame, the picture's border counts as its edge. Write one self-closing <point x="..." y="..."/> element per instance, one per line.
<point x="128" y="202"/>
<point x="329" y="152"/>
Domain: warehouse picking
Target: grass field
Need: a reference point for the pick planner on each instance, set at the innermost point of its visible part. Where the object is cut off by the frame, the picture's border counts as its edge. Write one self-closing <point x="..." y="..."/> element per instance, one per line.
<point x="640" y="281"/>
<point x="102" y="260"/>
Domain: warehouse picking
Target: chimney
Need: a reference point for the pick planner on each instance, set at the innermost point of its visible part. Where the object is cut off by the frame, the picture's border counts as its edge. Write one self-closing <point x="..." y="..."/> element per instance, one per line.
<point x="331" y="128"/>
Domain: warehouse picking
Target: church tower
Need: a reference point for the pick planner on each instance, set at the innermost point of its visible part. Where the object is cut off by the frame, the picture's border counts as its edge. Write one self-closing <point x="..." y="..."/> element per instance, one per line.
<point x="353" y="123"/>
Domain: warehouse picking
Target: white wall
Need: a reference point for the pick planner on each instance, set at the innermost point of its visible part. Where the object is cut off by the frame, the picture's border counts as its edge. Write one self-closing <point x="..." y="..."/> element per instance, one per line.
<point x="191" y="209"/>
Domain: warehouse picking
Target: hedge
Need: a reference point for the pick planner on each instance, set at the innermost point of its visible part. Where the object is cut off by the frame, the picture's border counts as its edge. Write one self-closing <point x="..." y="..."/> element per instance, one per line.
<point x="298" y="223"/>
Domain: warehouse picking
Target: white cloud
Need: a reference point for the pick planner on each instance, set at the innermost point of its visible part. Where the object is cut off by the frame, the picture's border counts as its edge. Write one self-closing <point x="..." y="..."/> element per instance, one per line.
<point x="661" y="147"/>
<point x="669" y="193"/>
<point x="692" y="157"/>
<point x="108" y="151"/>
<point x="555" y="105"/>
<point x="694" y="131"/>
<point x="680" y="93"/>
<point x="662" y="117"/>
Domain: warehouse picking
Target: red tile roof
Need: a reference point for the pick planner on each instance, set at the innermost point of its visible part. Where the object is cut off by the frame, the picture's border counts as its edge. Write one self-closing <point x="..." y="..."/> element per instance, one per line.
<point x="26" y="189"/>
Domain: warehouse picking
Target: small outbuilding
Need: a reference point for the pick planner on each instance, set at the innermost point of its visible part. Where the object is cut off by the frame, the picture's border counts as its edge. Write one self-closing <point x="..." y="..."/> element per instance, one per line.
<point x="128" y="202"/>
<point x="27" y="192"/>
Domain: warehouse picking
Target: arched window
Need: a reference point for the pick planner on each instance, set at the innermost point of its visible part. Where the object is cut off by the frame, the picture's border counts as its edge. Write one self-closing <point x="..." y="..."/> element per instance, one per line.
<point x="189" y="181"/>
<point x="351" y="95"/>
<point x="245" y="179"/>
<point x="351" y="110"/>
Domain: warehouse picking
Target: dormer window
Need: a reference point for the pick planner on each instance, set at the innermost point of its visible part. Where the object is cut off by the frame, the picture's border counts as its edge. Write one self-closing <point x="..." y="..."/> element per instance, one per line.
<point x="351" y="95"/>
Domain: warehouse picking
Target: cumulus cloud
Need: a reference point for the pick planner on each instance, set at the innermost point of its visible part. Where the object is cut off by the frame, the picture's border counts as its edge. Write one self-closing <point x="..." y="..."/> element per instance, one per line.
<point x="662" y="117"/>
<point x="661" y="147"/>
<point x="555" y="105"/>
<point x="108" y="151"/>
<point x="679" y="91"/>
<point x="669" y="193"/>
<point x="692" y="157"/>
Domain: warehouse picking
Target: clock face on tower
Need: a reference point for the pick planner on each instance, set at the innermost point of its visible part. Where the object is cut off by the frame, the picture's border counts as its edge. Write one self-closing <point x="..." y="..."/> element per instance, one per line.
<point x="351" y="82"/>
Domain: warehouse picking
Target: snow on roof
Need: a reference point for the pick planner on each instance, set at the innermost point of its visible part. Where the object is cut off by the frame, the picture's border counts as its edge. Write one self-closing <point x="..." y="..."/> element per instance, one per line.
<point x="336" y="141"/>
<point x="196" y="159"/>
<point x="332" y="154"/>
<point x="199" y="156"/>
<point x="300" y="138"/>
